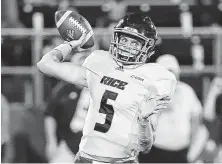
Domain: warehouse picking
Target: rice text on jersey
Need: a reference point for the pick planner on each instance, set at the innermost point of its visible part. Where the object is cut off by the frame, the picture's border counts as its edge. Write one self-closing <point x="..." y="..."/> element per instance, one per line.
<point x="113" y="82"/>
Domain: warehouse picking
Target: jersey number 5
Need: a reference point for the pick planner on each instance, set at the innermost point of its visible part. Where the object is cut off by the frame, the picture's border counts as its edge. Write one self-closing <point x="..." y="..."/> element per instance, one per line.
<point x="106" y="109"/>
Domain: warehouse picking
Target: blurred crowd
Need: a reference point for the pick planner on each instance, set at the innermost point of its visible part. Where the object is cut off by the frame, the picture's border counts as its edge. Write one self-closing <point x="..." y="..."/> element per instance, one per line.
<point x="202" y="13"/>
<point x="189" y="131"/>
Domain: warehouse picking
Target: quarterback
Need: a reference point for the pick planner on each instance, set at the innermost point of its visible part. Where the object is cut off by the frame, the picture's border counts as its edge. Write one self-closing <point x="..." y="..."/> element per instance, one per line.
<point x="126" y="93"/>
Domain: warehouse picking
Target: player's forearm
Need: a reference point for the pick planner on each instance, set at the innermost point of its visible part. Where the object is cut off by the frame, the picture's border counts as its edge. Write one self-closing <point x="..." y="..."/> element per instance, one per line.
<point x="146" y="137"/>
<point x="66" y="71"/>
<point x="47" y="64"/>
<point x="57" y="54"/>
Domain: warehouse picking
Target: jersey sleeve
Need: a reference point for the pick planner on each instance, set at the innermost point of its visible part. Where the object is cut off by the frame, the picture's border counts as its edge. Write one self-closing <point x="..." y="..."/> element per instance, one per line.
<point x="160" y="81"/>
<point x="91" y="64"/>
<point x="166" y="86"/>
<point x="90" y="60"/>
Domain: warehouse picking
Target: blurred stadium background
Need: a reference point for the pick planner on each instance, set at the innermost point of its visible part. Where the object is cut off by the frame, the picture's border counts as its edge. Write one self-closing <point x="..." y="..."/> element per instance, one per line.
<point x="189" y="29"/>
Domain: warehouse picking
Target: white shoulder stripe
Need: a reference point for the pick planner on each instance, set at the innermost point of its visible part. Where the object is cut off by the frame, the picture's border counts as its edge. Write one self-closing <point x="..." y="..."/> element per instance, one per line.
<point x="63" y="18"/>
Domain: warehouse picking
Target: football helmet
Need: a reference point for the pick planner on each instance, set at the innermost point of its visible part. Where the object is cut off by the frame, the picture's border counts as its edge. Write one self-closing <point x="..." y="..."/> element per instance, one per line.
<point x="139" y="27"/>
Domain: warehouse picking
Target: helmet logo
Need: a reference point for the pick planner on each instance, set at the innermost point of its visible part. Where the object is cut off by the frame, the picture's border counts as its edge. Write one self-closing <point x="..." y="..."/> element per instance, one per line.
<point x="131" y="30"/>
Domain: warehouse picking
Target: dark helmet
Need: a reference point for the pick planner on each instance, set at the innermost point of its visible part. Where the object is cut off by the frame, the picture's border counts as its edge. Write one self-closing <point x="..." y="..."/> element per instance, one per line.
<point x="140" y="27"/>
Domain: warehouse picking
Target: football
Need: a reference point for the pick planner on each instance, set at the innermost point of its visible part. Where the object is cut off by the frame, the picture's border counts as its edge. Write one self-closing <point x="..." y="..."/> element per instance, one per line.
<point x="71" y="25"/>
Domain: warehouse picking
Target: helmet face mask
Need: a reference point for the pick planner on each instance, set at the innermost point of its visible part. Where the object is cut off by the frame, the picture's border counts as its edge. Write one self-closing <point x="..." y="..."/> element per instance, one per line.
<point x="128" y="48"/>
<point x="139" y="32"/>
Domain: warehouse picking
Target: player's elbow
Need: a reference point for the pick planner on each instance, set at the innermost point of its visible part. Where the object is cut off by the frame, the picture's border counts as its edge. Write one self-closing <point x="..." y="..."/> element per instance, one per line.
<point x="45" y="63"/>
<point x="42" y="65"/>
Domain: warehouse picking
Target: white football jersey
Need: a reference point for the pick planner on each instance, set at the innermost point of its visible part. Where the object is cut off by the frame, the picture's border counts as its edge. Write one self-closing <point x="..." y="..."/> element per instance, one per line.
<point x="115" y="96"/>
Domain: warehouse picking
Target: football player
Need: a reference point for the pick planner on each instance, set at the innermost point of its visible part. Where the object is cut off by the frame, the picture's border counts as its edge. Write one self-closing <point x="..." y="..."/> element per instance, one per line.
<point x="126" y="94"/>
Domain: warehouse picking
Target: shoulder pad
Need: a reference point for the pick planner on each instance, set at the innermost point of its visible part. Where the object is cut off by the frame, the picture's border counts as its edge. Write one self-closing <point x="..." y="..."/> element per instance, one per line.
<point x="156" y="71"/>
<point x="94" y="57"/>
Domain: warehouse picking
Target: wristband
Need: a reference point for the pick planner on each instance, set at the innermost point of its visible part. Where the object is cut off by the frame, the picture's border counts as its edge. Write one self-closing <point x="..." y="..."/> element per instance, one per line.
<point x="65" y="50"/>
<point x="142" y="121"/>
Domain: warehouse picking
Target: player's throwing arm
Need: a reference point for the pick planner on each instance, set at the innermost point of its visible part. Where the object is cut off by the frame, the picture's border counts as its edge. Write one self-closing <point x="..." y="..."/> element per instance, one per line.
<point x="78" y="33"/>
<point x="51" y="63"/>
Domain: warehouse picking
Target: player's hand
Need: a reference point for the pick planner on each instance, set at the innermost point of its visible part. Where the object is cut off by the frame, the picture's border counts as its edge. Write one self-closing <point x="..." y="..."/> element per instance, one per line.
<point x="153" y="105"/>
<point x="76" y="44"/>
<point x="162" y="102"/>
<point x="147" y="107"/>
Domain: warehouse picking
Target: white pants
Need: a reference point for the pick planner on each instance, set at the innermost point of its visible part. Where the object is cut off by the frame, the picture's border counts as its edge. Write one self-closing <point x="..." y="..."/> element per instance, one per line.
<point x="63" y="154"/>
